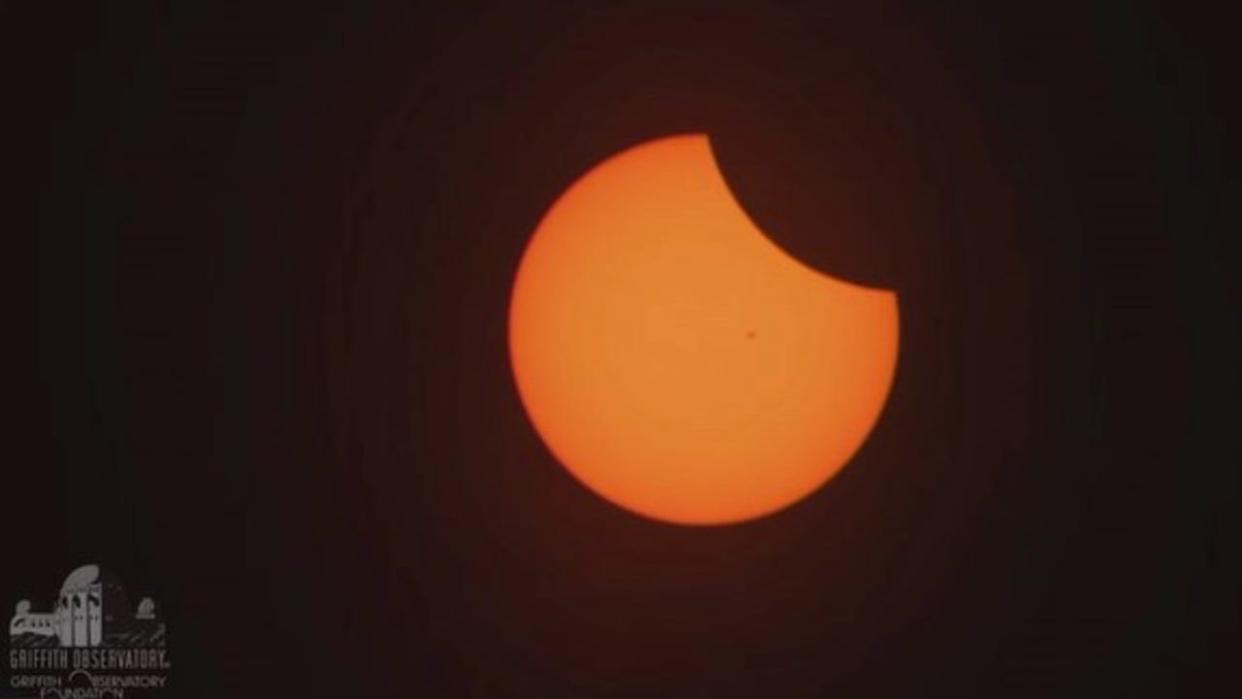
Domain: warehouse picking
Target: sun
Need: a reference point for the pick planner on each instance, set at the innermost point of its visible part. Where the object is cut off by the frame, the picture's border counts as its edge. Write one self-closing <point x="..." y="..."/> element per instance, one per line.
<point x="676" y="361"/>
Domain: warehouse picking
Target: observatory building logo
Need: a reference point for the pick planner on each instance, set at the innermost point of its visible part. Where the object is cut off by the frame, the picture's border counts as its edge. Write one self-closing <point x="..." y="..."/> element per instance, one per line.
<point x="92" y="643"/>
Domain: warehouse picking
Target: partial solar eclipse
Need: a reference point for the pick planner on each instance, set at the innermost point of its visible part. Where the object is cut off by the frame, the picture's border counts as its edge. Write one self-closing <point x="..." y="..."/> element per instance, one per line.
<point x="675" y="360"/>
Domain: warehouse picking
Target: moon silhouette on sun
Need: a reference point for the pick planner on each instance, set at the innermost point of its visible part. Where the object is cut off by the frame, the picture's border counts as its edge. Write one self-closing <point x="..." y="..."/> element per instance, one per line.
<point x="675" y="360"/>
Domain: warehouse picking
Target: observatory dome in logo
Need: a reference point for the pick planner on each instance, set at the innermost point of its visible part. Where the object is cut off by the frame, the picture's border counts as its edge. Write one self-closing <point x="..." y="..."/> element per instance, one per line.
<point x="91" y="610"/>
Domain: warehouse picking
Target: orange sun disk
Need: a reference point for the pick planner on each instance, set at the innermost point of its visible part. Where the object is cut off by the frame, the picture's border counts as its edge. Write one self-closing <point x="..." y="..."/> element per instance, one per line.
<point x="675" y="360"/>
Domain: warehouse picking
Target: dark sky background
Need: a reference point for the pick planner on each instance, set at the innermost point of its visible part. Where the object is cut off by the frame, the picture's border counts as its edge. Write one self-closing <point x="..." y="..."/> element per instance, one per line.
<point x="258" y="265"/>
